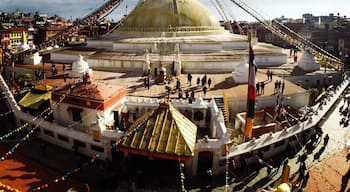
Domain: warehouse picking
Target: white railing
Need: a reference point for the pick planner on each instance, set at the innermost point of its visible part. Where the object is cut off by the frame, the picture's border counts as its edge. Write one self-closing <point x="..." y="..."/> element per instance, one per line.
<point x="271" y="138"/>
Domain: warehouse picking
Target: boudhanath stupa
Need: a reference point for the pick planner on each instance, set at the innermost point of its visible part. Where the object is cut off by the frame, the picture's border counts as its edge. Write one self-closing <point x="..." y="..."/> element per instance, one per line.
<point x="180" y="36"/>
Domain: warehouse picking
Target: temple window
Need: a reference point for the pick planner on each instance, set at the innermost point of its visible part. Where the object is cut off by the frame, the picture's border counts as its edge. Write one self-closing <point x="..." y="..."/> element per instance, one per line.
<point x="63" y="138"/>
<point x="76" y="116"/>
<point x="79" y="144"/>
<point x="198" y="116"/>
<point x="49" y="133"/>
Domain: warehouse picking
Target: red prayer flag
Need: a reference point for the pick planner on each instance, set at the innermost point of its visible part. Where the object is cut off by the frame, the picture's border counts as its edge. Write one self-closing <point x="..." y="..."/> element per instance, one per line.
<point x="251" y="94"/>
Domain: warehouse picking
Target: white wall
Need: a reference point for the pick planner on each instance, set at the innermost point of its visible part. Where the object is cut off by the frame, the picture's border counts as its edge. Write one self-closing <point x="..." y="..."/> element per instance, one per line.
<point x="212" y="66"/>
<point x="115" y="65"/>
<point x="270" y="60"/>
<point x="62" y="57"/>
<point x="64" y="117"/>
<point x="108" y="44"/>
<point x="109" y="114"/>
<point x="194" y="47"/>
<point x="132" y="47"/>
<point x="232" y="45"/>
<point x="297" y="101"/>
<point x="311" y="80"/>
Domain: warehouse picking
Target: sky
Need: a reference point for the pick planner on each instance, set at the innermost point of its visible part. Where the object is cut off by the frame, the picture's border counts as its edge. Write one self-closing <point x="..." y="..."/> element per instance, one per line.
<point x="269" y="9"/>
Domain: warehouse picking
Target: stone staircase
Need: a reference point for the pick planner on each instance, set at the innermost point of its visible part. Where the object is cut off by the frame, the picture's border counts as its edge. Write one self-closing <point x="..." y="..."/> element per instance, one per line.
<point x="221" y="105"/>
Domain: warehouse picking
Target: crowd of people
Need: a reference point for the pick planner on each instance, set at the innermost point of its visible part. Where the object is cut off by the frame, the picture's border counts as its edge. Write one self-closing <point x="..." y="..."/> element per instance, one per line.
<point x="344" y="111"/>
<point x="203" y="84"/>
<point x="278" y="88"/>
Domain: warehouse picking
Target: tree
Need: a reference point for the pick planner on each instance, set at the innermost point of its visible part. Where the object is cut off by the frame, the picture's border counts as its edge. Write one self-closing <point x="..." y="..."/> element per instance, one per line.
<point x="313" y="93"/>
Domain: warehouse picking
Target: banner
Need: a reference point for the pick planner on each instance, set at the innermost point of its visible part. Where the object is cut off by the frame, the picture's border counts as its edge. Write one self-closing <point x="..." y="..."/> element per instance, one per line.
<point x="251" y="94"/>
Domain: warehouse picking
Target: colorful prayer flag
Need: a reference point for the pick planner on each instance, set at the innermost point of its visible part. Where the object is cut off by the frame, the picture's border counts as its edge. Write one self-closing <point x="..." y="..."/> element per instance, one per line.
<point x="251" y="94"/>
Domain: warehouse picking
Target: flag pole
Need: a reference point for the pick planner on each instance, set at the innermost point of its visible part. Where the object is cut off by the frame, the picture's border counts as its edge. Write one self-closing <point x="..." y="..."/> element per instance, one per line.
<point x="251" y="97"/>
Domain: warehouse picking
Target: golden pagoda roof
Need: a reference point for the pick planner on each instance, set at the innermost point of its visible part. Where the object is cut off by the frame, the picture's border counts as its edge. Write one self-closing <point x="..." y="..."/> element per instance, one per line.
<point x="163" y="132"/>
<point x="35" y="98"/>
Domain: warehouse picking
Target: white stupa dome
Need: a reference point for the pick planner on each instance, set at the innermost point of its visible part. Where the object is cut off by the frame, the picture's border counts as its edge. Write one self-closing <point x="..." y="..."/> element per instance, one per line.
<point x="79" y="67"/>
<point x="242" y="68"/>
<point x="33" y="59"/>
<point x="240" y="74"/>
<point x="307" y="62"/>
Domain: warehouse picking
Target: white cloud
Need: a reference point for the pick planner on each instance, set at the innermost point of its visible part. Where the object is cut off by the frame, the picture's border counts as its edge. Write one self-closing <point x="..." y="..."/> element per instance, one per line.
<point x="268" y="8"/>
<point x="65" y="8"/>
